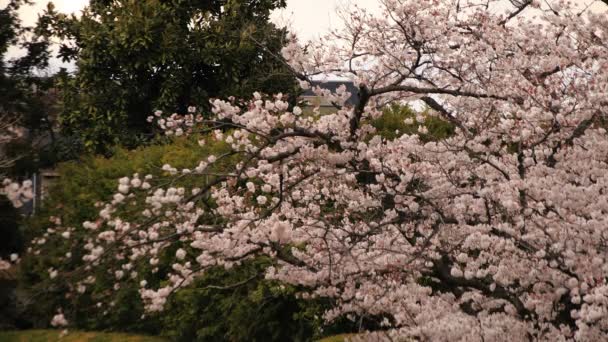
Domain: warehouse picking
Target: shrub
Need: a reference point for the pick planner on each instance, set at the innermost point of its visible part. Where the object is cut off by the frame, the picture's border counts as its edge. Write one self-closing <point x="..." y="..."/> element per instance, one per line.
<point x="392" y="123"/>
<point x="256" y="310"/>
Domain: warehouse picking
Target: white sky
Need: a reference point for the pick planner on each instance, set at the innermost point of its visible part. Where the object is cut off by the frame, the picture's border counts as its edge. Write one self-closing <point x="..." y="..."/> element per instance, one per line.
<point x="308" y="18"/>
<point x="313" y="18"/>
<point x="29" y="14"/>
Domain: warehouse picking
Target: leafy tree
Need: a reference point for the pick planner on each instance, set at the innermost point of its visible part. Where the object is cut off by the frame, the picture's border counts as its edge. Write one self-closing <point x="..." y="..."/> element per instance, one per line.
<point x="27" y="98"/>
<point x="134" y="57"/>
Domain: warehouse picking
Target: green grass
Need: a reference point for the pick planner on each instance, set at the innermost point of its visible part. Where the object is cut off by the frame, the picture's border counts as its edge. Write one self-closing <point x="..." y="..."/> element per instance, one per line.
<point x="72" y="336"/>
<point x="336" y="338"/>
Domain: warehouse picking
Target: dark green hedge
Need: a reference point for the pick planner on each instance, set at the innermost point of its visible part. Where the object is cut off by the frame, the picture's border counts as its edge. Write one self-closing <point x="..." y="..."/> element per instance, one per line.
<point x="258" y="311"/>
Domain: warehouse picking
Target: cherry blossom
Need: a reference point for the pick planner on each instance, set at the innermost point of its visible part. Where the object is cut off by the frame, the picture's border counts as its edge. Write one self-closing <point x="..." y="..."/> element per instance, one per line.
<point x="59" y="320"/>
<point x="18" y="194"/>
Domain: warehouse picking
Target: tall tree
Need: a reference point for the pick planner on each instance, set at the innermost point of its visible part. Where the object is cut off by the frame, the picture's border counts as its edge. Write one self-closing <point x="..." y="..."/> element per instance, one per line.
<point x="25" y="99"/>
<point x="11" y="96"/>
<point x="134" y="57"/>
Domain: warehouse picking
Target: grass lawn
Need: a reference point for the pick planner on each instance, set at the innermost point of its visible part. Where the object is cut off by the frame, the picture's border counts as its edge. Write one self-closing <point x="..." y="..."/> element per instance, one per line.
<point x="72" y="336"/>
<point x="336" y="338"/>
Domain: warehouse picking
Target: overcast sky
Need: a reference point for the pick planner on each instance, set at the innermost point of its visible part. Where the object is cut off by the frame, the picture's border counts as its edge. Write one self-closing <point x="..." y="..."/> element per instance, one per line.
<point x="313" y="16"/>
<point x="308" y="18"/>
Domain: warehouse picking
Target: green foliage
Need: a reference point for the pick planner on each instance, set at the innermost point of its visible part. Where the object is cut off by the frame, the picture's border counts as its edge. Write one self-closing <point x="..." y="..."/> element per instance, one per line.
<point x="223" y="305"/>
<point x="255" y="310"/>
<point x="72" y="198"/>
<point x="26" y="99"/>
<point x="16" y="75"/>
<point x="134" y="57"/>
<point x="93" y="178"/>
<point x="391" y="124"/>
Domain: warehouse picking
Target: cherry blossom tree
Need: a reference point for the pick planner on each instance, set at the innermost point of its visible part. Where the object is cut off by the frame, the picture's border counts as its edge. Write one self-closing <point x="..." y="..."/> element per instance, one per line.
<point x="496" y="232"/>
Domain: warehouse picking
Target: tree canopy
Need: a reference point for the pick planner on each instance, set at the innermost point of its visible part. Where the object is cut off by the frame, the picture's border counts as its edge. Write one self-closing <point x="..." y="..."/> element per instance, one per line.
<point x="27" y="101"/>
<point x="134" y="57"/>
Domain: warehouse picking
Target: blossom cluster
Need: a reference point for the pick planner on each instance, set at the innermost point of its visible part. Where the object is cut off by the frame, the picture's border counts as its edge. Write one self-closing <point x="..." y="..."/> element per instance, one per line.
<point x="6" y="264"/>
<point x="176" y="124"/>
<point x="17" y="194"/>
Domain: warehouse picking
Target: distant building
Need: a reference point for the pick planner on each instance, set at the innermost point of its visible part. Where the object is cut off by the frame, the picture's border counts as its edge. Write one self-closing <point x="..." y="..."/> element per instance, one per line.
<point x="332" y="86"/>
